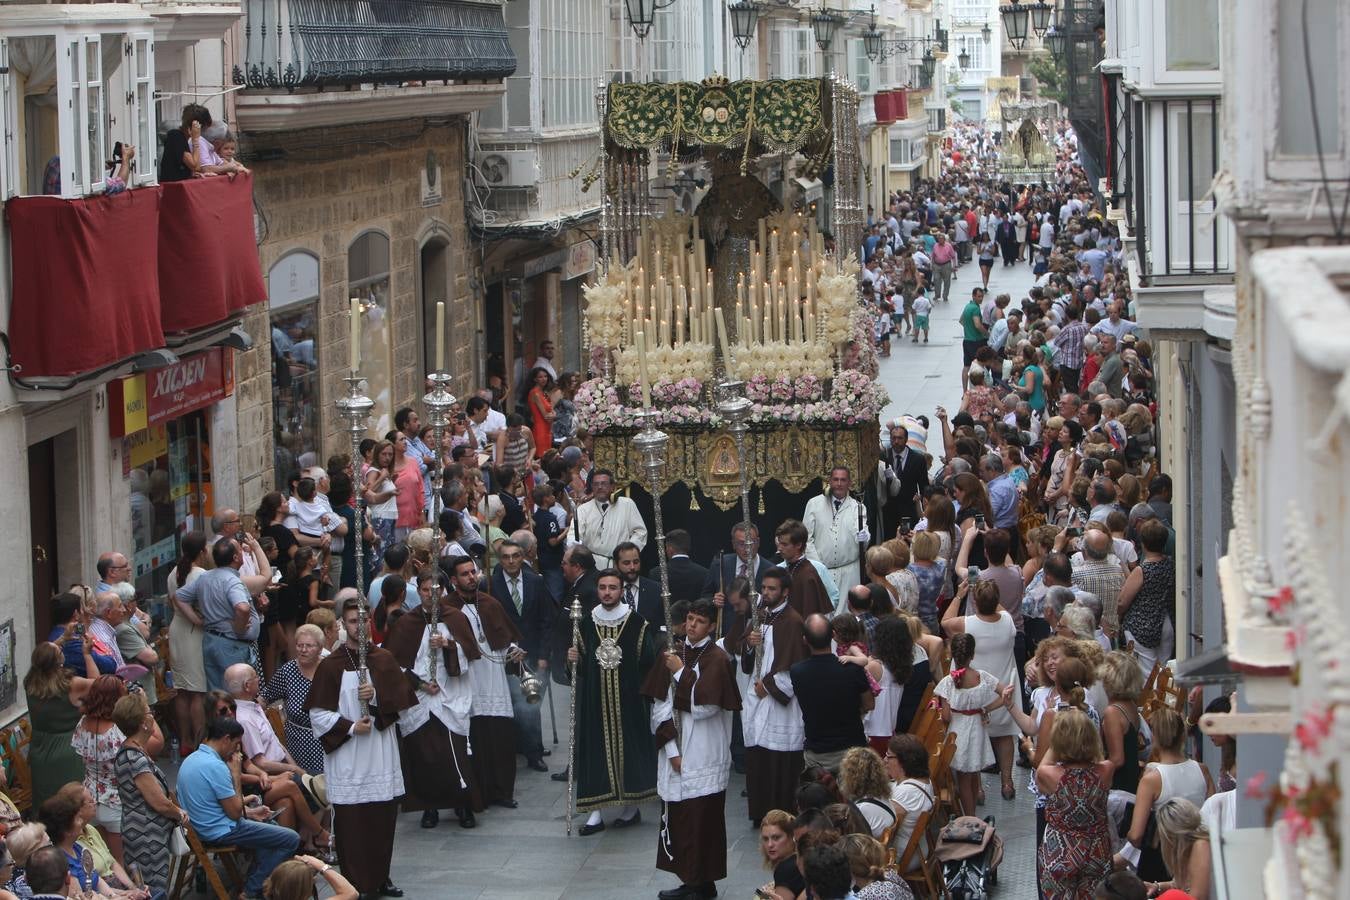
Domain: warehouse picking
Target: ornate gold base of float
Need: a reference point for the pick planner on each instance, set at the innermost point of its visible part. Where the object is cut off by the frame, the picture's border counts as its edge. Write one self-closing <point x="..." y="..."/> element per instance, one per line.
<point x="706" y="461"/>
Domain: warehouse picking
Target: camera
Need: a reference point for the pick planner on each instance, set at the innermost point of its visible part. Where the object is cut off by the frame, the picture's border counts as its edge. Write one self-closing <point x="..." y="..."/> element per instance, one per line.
<point x="979" y="520"/>
<point x="905" y="525"/>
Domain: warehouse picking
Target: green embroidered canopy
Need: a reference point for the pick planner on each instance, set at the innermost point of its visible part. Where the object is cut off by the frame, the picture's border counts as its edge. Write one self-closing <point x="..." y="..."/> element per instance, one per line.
<point x="776" y="115"/>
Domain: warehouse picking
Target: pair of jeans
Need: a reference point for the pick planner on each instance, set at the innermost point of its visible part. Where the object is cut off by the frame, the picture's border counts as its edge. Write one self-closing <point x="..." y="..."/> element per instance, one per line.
<point x="271" y="845"/>
<point x="528" y="716"/>
<point x="219" y="653"/>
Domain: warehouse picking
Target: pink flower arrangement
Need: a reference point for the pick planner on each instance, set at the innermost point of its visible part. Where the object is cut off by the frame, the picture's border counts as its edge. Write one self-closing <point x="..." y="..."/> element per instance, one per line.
<point x="781" y="389"/>
<point x="807" y="387"/>
<point x="757" y="389"/>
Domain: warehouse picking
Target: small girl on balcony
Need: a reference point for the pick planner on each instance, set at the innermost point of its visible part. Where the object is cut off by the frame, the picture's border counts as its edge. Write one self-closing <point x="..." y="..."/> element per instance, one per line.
<point x="119" y="168"/>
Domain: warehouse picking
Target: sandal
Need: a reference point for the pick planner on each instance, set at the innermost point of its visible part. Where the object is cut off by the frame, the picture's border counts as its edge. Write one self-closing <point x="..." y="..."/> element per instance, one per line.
<point x="1009" y="791"/>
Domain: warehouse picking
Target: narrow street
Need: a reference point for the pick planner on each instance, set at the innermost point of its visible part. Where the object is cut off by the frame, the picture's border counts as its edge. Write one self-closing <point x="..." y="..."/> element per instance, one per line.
<point x="524" y="854"/>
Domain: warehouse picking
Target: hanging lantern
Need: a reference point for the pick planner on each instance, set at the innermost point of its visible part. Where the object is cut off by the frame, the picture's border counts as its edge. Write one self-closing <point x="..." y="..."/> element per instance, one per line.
<point x="641" y="16"/>
<point x="872" y="41"/>
<point x="986" y="33"/>
<point x="744" y="18"/>
<point x="926" y="68"/>
<point x="1040" y="17"/>
<point x="824" y="23"/>
<point x="1015" y="21"/>
<point x="1056" y="41"/>
<point x="963" y="58"/>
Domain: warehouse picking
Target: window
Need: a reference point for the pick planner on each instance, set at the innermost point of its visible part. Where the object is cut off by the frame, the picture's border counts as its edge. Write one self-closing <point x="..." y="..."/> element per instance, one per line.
<point x="9" y="144"/>
<point x="1295" y="116"/>
<point x="513" y="110"/>
<point x="1193" y="35"/>
<point x="571" y="37"/>
<point x="792" y="54"/>
<point x="1196" y="239"/>
<point x="902" y="151"/>
<point x="674" y="46"/>
<point x="368" y="280"/>
<point x="861" y="66"/>
<point x="979" y="53"/>
<point x="141" y="88"/>
<point x="293" y="301"/>
<point x="970" y="10"/>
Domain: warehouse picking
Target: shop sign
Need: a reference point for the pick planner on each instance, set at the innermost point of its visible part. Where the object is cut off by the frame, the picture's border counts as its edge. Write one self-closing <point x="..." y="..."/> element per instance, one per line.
<point x="143" y="447"/>
<point x="580" y="260"/>
<point x="189" y="384"/>
<point x="544" y="262"/>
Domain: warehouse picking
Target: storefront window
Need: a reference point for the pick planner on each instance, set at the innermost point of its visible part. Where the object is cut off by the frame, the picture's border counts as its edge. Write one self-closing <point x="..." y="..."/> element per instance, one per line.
<point x="170" y="478"/>
<point x="293" y="295"/>
<point x="368" y="280"/>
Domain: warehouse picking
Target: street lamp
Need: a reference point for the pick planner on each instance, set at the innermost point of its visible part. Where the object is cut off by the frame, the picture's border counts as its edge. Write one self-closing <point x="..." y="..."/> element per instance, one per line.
<point x="926" y="68"/>
<point x="642" y="15"/>
<point x="744" y="17"/>
<point x="963" y="58"/>
<point x="1055" y="42"/>
<point x="824" y="23"/>
<point x="986" y="32"/>
<point x="1015" y="20"/>
<point x="1040" y="17"/>
<point x="872" y="42"/>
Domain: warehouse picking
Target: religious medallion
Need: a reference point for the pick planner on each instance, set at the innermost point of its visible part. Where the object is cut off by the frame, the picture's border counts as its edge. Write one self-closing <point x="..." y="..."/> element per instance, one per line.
<point x="609" y="654"/>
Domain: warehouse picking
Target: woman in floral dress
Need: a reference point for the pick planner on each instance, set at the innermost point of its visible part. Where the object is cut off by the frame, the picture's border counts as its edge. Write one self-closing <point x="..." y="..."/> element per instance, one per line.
<point x="97" y="739"/>
<point x="1076" y="852"/>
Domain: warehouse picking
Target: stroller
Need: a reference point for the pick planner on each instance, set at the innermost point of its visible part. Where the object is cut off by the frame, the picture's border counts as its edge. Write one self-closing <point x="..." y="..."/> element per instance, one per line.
<point x="970" y="851"/>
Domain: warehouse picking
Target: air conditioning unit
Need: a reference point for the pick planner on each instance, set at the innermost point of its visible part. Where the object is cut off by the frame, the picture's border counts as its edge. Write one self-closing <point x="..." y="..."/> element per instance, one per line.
<point x="507" y="168"/>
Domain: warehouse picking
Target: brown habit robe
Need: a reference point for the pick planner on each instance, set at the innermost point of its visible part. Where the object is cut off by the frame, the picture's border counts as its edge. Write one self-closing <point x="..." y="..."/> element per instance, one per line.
<point x="493" y="737"/>
<point x="692" y="842"/>
<point x="771" y="776"/>
<point x="437" y="768"/>
<point x="807" y="593"/>
<point x="364" y="831"/>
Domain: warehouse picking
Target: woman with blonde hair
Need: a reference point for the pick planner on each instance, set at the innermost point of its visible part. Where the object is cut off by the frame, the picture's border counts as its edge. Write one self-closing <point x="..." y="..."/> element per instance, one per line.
<point x="54" y="700"/>
<point x="872" y="878"/>
<point x="294" y="880"/>
<point x="1123" y="683"/>
<point x="779" y="849"/>
<point x="1185" y="850"/>
<point x="880" y="563"/>
<point x="930" y="574"/>
<point x="1173" y="774"/>
<point x="902" y="584"/>
<point x="1075" y="851"/>
<point x="862" y="778"/>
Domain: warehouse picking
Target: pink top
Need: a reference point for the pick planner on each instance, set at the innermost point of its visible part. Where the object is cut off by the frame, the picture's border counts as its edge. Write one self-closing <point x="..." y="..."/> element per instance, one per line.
<point x="408" y="484"/>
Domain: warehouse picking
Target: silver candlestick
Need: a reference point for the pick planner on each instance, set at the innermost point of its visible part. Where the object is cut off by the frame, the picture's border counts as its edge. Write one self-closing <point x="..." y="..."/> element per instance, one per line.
<point x="734" y="408"/>
<point x="651" y="444"/>
<point x="354" y="408"/>
<point x="439" y="403"/>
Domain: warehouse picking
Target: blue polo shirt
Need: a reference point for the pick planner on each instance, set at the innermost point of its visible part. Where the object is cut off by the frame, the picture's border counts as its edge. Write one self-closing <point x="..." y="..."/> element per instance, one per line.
<point x="203" y="781"/>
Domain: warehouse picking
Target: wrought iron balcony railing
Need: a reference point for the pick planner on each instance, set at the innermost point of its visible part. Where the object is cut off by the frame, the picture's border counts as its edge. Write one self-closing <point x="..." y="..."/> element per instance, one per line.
<point x="292" y="43"/>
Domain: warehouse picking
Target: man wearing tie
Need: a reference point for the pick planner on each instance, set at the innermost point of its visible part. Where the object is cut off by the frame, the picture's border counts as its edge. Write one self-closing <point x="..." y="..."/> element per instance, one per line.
<point x="522" y="593"/>
<point x="836" y="528"/>
<point x="745" y="562"/>
<point x="904" y="471"/>
<point x="605" y="521"/>
<point x="642" y="594"/>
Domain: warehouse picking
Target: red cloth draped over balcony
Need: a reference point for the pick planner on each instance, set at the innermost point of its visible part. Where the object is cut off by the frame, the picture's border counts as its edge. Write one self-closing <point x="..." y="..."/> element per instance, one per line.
<point x="208" y="258"/>
<point x="85" y="293"/>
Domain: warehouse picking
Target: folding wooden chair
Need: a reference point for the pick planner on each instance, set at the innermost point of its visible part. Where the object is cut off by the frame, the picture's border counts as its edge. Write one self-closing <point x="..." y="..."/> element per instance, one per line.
<point x="925" y="878"/>
<point x="945" y="794"/>
<point x="14" y="747"/>
<point x="204" y="856"/>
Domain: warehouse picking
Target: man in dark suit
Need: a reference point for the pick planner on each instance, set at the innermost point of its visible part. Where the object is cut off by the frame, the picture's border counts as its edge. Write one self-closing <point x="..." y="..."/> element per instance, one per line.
<point x="686" y="576"/>
<point x="744" y="562"/>
<point x="579" y="574"/>
<point x="905" y="475"/>
<point x="642" y="594"/>
<point x="522" y="593"/>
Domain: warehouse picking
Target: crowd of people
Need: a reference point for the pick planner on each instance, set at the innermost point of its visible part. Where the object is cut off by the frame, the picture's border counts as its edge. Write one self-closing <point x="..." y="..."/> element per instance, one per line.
<point x="1017" y="593"/>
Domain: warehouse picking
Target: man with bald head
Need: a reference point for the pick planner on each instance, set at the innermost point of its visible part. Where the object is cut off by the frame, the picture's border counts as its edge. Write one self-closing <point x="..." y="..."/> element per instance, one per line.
<point x="833" y="697"/>
<point x="1095" y="574"/>
<point x="112" y="568"/>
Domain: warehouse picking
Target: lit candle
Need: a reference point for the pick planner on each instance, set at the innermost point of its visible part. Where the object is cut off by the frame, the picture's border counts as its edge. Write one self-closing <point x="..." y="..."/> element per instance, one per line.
<point x="810" y="326"/>
<point x="722" y="337"/>
<point x="440" y="335"/>
<point x="356" y="335"/>
<point x="640" y="339"/>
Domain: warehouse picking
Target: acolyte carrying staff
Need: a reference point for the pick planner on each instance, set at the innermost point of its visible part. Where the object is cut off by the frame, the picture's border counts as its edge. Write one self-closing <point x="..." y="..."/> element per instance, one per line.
<point x="697" y="680"/>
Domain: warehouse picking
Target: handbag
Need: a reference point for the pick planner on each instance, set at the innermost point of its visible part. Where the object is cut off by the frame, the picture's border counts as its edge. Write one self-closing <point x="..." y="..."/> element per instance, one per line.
<point x="178" y="842"/>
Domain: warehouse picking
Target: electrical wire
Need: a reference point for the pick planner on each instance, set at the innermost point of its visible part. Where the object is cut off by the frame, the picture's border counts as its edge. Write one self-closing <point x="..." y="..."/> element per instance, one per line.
<point x="1337" y="225"/>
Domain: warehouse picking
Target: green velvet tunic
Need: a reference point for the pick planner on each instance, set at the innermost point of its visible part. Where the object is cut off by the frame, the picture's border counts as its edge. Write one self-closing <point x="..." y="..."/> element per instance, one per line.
<point x="616" y="754"/>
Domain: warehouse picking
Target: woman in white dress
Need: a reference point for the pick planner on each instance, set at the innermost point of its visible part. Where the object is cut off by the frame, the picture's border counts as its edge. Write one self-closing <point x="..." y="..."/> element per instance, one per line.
<point x="995" y="635"/>
<point x="185" y="645"/>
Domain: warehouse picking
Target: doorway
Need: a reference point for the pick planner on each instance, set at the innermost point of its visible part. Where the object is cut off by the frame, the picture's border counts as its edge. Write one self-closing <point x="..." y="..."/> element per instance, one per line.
<point x="43" y="531"/>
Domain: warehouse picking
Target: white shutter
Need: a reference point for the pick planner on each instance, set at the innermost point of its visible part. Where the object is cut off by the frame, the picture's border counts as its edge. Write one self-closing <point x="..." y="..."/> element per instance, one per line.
<point x="80" y="85"/>
<point x="93" y="118"/>
<point x="9" y="152"/>
<point x="141" y="87"/>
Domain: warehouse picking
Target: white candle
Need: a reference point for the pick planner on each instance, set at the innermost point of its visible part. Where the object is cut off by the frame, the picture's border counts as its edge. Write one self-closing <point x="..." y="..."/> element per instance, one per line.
<point x="440" y="335"/>
<point x="640" y="339"/>
<point x="722" y="336"/>
<point x="356" y="335"/>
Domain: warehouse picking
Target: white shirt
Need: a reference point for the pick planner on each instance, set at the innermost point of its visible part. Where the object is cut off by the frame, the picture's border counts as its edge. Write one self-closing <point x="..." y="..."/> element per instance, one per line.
<point x="547" y="366"/>
<point x="493" y="423"/>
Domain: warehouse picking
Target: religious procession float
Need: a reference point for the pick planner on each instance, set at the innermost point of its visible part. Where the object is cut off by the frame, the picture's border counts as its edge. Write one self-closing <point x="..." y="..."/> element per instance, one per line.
<point x="736" y="331"/>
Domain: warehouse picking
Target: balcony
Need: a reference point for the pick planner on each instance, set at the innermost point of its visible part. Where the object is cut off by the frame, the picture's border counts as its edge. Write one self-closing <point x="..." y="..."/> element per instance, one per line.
<point x="531" y="182"/>
<point x="189" y="21"/>
<point x="315" y="63"/>
<point x="145" y="269"/>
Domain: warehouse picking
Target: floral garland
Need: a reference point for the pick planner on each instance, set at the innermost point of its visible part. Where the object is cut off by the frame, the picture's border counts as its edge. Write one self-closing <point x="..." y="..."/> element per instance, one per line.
<point x="606" y="308"/>
<point x="687" y="361"/>
<point x="791" y="360"/>
<point x="854" y="399"/>
<point x="837" y="301"/>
